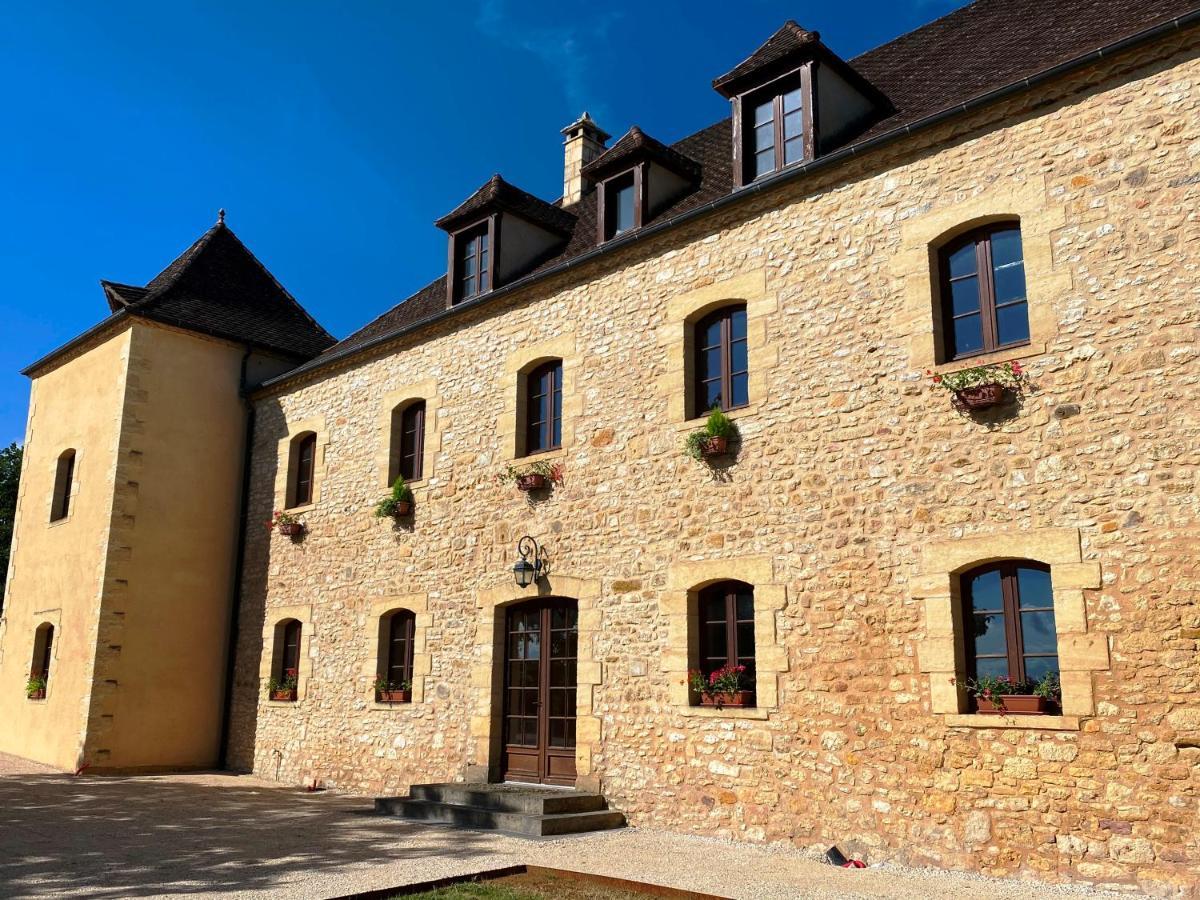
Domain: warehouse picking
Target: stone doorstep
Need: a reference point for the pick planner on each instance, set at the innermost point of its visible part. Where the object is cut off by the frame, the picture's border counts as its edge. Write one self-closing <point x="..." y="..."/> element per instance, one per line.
<point x="523" y="812"/>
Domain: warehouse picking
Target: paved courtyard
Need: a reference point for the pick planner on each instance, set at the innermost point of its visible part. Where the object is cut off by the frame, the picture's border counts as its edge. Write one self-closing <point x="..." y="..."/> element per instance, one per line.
<point x="232" y="836"/>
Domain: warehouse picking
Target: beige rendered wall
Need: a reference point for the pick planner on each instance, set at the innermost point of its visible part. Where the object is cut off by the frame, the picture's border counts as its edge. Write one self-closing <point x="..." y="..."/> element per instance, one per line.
<point x="160" y="673"/>
<point x="57" y="568"/>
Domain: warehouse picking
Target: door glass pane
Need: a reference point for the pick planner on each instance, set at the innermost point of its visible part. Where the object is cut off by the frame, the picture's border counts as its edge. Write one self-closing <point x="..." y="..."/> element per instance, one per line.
<point x="1034" y="587"/>
<point x="989" y="634"/>
<point x="1012" y="323"/>
<point x="968" y="334"/>
<point x="985" y="592"/>
<point x="1037" y="630"/>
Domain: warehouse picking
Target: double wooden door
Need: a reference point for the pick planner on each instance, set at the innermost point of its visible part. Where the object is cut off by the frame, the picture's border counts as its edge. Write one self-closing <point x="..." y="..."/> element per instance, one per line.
<point x="541" y="649"/>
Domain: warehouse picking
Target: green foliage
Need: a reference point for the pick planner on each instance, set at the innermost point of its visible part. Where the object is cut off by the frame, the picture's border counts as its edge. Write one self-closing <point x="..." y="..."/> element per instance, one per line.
<point x="1009" y="375"/>
<point x="995" y="688"/>
<point x="10" y="476"/>
<point x="552" y="472"/>
<point x="289" y="681"/>
<point x="382" y="685"/>
<point x="390" y="505"/>
<point x="717" y="425"/>
<point x="35" y="684"/>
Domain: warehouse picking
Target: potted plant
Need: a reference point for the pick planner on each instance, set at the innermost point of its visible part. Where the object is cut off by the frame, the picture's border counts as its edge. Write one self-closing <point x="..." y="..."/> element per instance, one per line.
<point x="283" y="689"/>
<point x="392" y="691"/>
<point x="1000" y="695"/>
<point x="532" y="476"/>
<point x="723" y="687"/>
<point x="713" y="439"/>
<point x="286" y="523"/>
<point x="981" y="387"/>
<point x="398" y="503"/>
<point x="35" y="687"/>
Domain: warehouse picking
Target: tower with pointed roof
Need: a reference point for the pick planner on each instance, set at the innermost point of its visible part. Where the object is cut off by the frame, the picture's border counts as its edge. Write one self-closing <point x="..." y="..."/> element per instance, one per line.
<point x="125" y="553"/>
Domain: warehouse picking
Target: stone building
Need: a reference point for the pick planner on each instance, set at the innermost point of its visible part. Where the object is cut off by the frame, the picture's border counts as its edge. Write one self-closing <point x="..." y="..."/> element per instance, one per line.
<point x="1014" y="182"/>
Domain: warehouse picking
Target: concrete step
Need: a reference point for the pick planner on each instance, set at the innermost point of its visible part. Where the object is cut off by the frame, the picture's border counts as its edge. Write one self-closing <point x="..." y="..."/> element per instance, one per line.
<point x="532" y="800"/>
<point x="526" y="811"/>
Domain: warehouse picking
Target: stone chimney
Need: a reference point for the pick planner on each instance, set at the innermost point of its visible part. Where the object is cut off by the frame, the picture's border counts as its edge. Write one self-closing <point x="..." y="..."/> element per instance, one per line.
<point x="584" y="142"/>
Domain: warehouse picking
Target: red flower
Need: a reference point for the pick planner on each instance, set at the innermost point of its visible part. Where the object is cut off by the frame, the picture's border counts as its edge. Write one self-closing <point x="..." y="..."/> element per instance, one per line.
<point x="937" y="379"/>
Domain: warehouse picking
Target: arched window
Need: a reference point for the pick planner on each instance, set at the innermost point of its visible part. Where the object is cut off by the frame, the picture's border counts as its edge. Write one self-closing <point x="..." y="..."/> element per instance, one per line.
<point x="543" y="408"/>
<point x="1008" y="611"/>
<point x="983" y="292"/>
<point x="408" y="442"/>
<point x="726" y="621"/>
<point x="396" y="631"/>
<point x="285" y="663"/>
<point x="39" y="668"/>
<point x="722" y="372"/>
<point x="301" y="468"/>
<point x="64" y="474"/>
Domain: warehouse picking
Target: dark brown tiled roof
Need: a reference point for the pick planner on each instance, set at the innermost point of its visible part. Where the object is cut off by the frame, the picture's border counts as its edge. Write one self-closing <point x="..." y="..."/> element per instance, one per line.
<point x="788" y="42"/>
<point x="498" y="194"/>
<point x="636" y="145"/>
<point x="988" y="45"/>
<point x="218" y="287"/>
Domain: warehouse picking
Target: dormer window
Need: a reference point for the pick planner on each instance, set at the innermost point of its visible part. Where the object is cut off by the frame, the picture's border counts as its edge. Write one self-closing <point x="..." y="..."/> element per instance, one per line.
<point x="472" y="266"/>
<point x="620" y="204"/>
<point x="776" y="139"/>
<point x="793" y="100"/>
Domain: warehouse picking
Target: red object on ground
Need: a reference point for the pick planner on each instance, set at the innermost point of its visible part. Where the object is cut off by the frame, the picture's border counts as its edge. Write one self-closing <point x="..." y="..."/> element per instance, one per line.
<point x="854" y="864"/>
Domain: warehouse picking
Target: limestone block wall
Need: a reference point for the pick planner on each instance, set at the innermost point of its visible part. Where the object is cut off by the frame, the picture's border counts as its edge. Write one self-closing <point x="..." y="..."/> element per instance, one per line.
<point x="855" y="497"/>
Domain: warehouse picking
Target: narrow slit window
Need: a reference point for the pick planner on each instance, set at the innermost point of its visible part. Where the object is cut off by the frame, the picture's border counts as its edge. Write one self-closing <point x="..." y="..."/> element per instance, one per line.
<point x="64" y="476"/>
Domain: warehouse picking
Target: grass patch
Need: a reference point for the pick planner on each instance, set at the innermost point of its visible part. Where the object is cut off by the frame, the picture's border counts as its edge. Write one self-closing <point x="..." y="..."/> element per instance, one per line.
<point x="475" y="891"/>
<point x="528" y="886"/>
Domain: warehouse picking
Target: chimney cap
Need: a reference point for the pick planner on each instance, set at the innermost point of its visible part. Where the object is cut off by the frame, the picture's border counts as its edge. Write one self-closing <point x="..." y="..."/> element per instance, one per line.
<point x="586" y="124"/>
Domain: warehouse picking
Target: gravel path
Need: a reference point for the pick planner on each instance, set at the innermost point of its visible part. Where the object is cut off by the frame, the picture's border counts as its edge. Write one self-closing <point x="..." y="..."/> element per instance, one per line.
<point x="219" y="835"/>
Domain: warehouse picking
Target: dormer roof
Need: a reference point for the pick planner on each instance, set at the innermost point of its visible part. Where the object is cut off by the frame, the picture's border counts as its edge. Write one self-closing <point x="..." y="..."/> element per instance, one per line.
<point x="497" y="195"/>
<point x="636" y="146"/>
<point x="781" y="52"/>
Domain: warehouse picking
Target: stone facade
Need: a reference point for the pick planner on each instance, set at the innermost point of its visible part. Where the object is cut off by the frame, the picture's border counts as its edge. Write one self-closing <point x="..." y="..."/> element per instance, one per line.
<point x="855" y="497"/>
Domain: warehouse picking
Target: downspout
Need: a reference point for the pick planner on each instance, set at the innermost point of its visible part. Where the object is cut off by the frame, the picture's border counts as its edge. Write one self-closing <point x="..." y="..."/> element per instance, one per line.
<point x="235" y="606"/>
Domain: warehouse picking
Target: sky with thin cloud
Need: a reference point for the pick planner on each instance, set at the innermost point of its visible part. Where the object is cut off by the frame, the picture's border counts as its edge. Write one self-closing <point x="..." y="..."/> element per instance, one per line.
<point x="334" y="134"/>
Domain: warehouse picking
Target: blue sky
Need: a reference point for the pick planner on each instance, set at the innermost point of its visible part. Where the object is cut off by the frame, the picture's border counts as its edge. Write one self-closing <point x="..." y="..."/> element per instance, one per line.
<point x="333" y="133"/>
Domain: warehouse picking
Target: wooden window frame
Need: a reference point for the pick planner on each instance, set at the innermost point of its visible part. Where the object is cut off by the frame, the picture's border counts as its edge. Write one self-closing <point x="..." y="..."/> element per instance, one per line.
<point x="986" y="277"/>
<point x="730" y="591"/>
<point x="1011" y="609"/>
<point x="284" y="629"/>
<point x="407" y="621"/>
<point x="743" y="126"/>
<point x="301" y="443"/>
<point x="413" y="414"/>
<point x="641" y="201"/>
<point x="488" y="227"/>
<point x="724" y="314"/>
<point x="64" y="478"/>
<point x="43" y="651"/>
<point x="546" y="428"/>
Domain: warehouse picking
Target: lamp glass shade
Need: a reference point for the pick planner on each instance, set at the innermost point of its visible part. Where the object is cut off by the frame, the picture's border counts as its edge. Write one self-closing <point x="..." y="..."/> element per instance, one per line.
<point x="524" y="572"/>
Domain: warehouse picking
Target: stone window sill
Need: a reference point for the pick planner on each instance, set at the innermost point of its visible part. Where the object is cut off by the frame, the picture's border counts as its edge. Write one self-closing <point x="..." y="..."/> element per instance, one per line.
<point x="1025" y="351"/>
<point x="392" y="707"/>
<point x="299" y="510"/>
<point x="547" y="455"/>
<point x="742" y="412"/>
<point x="729" y="712"/>
<point x="283" y="703"/>
<point x="1031" y="723"/>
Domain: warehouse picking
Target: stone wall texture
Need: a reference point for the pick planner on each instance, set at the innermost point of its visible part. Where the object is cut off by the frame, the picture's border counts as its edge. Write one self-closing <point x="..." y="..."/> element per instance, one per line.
<point x="850" y="469"/>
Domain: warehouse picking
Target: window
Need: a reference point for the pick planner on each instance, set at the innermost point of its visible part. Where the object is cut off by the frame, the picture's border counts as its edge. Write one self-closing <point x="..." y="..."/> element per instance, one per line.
<point x="64" y="475"/>
<point x="622" y="206"/>
<point x="408" y="442"/>
<point x="287" y="656"/>
<point x="984" y="307"/>
<point x="722" y="375"/>
<point x="1008" y="611"/>
<point x="726" y="620"/>
<point x="543" y="408"/>
<point x="303" y="468"/>
<point x="396" y="650"/>
<point x="775" y="137"/>
<point x="39" y="669"/>
<point x="472" y="262"/>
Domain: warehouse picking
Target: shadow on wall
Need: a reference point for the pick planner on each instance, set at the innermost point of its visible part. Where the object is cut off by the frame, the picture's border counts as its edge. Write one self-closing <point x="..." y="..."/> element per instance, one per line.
<point x="140" y="837"/>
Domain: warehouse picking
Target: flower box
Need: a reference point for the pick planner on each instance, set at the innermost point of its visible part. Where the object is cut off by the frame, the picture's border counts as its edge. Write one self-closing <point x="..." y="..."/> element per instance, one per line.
<point x="714" y="446"/>
<point x="39" y="694"/>
<point x="393" y="696"/>
<point x="533" y="481"/>
<point x="291" y="529"/>
<point x="402" y="508"/>
<point x="284" y="696"/>
<point x="982" y="396"/>
<point x="734" y="698"/>
<point x="1013" y="705"/>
